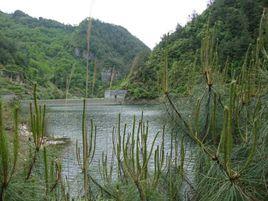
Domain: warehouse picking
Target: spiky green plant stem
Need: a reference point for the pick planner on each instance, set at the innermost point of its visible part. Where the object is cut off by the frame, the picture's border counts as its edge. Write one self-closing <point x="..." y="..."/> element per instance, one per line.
<point x="8" y="170"/>
<point x="88" y="151"/>
<point x="241" y="113"/>
<point x="37" y="122"/>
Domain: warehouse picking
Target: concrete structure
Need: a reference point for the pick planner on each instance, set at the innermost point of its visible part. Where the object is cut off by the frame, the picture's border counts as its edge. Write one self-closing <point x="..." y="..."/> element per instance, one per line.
<point x="115" y="94"/>
<point x="8" y="97"/>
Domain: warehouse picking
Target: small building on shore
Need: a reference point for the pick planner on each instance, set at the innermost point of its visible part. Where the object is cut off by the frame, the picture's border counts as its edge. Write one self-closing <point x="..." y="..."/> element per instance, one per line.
<point x="115" y="94"/>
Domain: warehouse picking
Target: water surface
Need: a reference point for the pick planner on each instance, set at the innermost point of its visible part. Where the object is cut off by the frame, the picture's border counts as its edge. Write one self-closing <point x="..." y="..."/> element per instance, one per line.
<point x="66" y="121"/>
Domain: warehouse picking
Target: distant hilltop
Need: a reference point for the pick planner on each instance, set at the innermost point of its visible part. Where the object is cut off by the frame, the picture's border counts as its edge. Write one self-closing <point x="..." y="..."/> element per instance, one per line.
<point x="53" y="55"/>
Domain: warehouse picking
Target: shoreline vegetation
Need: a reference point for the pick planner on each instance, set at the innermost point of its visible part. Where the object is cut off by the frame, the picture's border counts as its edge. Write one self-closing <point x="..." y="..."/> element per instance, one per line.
<point x="218" y="151"/>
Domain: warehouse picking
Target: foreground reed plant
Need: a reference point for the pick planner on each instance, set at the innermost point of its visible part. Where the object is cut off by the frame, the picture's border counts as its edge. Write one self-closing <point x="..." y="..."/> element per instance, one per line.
<point x="228" y="123"/>
<point x="139" y="168"/>
<point x="37" y="123"/>
<point x="88" y="151"/>
<point x="9" y="157"/>
<point x="14" y="186"/>
<point x="145" y="169"/>
<point x="133" y="156"/>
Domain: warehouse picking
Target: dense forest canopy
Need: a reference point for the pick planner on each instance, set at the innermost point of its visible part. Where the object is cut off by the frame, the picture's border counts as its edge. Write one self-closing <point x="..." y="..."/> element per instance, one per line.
<point x="50" y="53"/>
<point x="111" y="44"/>
<point x="235" y="25"/>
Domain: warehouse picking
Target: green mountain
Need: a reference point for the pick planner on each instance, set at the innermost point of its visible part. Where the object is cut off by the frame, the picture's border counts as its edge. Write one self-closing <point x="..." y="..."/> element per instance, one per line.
<point x="111" y="44"/>
<point x="235" y="25"/>
<point x="54" y="55"/>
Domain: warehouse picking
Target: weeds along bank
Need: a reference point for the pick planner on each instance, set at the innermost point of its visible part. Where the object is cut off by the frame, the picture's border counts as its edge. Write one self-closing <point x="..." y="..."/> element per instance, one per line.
<point x="225" y="118"/>
<point x="28" y="170"/>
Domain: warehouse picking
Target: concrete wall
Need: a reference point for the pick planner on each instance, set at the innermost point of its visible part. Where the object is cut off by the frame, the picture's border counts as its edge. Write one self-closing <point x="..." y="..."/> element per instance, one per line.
<point x="115" y="94"/>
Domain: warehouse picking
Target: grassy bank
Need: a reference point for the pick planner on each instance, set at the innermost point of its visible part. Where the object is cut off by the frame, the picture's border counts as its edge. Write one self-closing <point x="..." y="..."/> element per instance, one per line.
<point x="29" y="170"/>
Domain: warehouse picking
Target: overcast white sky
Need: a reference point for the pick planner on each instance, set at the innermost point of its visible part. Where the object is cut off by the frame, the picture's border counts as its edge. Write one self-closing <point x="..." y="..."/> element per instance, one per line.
<point x="146" y="19"/>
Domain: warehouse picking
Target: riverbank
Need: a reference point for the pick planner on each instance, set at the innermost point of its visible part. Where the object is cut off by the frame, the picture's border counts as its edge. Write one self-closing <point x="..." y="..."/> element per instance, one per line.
<point x="24" y="133"/>
<point x="144" y="101"/>
<point x="25" y="167"/>
<point x="93" y="102"/>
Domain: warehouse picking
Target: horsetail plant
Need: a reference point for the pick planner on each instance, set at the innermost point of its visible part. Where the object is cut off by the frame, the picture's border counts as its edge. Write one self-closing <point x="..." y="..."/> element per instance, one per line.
<point x="7" y="163"/>
<point x="52" y="173"/>
<point x="230" y="121"/>
<point x="94" y="77"/>
<point x="133" y="155"/>
<point x="144" y="165"/>
<point x="37" y="125"/>
<point x="88" y="151"/>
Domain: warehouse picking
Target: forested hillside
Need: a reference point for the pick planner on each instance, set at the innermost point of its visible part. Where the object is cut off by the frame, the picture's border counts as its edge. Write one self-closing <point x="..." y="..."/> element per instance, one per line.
<point x="235" y="26"/>
<point x="54" y="55"/>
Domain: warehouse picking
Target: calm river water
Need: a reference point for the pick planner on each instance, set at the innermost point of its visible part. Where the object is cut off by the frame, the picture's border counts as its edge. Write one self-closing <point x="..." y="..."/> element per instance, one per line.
<point x="65" y="121"/>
